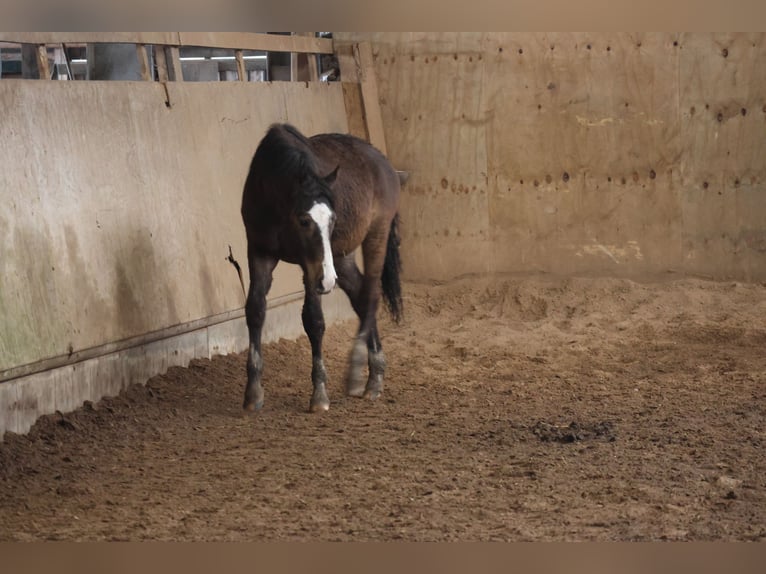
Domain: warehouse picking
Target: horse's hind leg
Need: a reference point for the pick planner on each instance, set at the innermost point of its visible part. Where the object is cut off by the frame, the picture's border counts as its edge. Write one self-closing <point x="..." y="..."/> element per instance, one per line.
<point x="367" y="345"/>
<point x="313" y="323"/>
<point x="261" y="269"/>
<point x="377" y="364"/>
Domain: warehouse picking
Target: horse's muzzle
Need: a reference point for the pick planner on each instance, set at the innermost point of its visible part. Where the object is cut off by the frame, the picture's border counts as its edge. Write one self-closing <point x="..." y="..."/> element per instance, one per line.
<point x="323" y="289"/>
<point x="327" y="282"/>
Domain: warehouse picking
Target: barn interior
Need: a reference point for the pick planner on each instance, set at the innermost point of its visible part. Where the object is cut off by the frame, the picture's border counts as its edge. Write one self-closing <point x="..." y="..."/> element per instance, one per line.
<point x="632" y="158"/>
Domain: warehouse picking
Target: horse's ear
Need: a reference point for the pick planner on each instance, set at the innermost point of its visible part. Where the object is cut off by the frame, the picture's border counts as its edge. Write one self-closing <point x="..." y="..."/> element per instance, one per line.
<point x="330" y="178"/>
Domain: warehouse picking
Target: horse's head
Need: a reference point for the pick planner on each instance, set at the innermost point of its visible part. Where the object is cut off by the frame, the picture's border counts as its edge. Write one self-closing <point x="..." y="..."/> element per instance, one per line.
<point x="314" y="220"/>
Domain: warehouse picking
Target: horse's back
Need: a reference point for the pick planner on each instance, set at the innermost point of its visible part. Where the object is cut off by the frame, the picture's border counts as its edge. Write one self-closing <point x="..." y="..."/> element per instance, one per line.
<point x="362" y="167"/>
<point x="365" y="193"/>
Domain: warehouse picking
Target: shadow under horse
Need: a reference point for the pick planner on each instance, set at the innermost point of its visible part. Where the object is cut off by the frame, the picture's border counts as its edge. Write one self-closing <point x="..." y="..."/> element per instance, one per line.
<point x="312" y="202"/>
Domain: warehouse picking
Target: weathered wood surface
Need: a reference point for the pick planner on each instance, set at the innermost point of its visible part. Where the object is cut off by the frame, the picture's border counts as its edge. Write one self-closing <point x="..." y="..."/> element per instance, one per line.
<point x="230" y="40"/>
<point x="92" y="255"/>
<point x="627" y="153"/>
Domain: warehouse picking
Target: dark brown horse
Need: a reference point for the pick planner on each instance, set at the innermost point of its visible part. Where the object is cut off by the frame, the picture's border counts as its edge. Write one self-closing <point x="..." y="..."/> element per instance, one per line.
<point x="312" y="202"/>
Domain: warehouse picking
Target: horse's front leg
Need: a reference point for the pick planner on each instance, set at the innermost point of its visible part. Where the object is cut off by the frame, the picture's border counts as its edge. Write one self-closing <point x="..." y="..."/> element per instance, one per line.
<point x="261" y="269"/>
<point x="314" y="325"/>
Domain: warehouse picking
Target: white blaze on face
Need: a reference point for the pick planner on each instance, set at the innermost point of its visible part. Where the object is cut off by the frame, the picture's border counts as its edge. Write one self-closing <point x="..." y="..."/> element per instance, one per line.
<point x="322" y="215"/>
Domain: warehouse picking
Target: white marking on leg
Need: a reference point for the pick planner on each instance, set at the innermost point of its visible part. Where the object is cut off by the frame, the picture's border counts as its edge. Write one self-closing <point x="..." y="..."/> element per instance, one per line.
<point x="255" y="358"/>
<point x="322" y="215"/>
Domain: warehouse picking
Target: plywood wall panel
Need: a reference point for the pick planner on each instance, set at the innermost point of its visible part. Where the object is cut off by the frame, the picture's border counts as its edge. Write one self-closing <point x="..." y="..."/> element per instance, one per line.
<point x="723" y="94"/>
<point x="723" y="125"/>
<point x="587" y="145"/>
<point x="119" y="217"/>
<point x="586" y="105"/>
<point x="448" y="212"/>
<point x="606" y="226"/>
<point x="352" y="95"/>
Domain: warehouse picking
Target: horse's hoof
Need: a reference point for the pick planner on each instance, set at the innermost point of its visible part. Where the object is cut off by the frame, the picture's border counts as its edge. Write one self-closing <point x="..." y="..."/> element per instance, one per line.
<point x="319" y="400"/>
<point x="252" y="406"/>
<point x="371" y="394"/>
<point x="254" y="396"/>
<point x="319" y="407"/>
<point x="355" y="390"/>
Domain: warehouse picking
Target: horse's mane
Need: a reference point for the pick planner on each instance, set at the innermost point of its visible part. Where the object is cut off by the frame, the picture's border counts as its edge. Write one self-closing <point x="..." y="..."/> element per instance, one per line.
<point x="286" y="152"/>
<point x="285" y="165"/>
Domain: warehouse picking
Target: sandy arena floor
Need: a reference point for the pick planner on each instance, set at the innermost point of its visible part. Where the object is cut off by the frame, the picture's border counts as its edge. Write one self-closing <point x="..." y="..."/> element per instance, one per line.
<point x="516" y="408"/>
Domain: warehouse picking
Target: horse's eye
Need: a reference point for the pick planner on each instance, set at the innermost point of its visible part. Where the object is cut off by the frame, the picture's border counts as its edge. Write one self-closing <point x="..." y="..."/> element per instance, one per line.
<point x="304" y="221"/>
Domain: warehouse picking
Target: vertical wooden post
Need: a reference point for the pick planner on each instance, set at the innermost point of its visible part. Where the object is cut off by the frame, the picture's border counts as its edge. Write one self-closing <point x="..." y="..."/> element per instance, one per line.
<point x="42" y="62"/>
<point x="162" y="63"/>
<point x="173" y="59"/>
<point x="143" y="62"/>
<point x="293" y="67"/>
<point x="313" y="71"/>
<point x="370" y="98"/>
<point x="241" y="70"/>
<point x="303" y="67"/>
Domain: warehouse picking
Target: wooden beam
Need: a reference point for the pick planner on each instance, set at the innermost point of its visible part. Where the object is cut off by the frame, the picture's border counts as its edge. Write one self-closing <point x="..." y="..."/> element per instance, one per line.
<point x="293" y="67"/>
<point x="313" y="69"/>
<point x="352" y="98"/>
<point x="173" y="59"/>
<point x="162" y="63"/>
<point x="370" y="98"/>
<point x="241" y="71"/>
<point x="168" y="38"/>
<point x="228" y="40"/>
<point x="42" y="62"/>
<point x="266" y="42"/>
<point x="305" y="64"/>
<point x="349" y="71"/>
<point x="138" y="340"/>
<point x="143" y="62"/>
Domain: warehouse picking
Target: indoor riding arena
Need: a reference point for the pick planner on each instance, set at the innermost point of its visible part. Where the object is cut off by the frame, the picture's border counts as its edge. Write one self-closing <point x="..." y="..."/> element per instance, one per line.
<point x="582" y="352"/>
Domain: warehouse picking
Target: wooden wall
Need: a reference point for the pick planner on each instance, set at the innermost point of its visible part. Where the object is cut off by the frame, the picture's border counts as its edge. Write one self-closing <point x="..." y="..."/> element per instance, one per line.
<point x="622" y="153"/>
<point x="120" y="201"/>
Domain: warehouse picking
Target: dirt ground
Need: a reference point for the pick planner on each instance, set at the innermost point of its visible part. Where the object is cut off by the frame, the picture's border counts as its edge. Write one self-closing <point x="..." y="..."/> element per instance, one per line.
<point x="516" y="408"/>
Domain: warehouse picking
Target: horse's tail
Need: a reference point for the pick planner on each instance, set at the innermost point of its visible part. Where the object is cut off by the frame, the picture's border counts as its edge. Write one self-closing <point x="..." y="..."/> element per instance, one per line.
<point x="392" y="268"/>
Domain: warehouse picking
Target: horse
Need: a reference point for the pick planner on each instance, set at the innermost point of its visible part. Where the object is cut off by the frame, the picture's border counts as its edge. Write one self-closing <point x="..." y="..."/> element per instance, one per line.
<point x="312" y="202"/>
